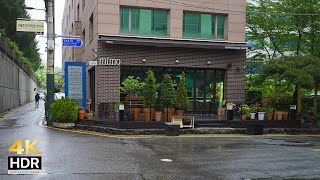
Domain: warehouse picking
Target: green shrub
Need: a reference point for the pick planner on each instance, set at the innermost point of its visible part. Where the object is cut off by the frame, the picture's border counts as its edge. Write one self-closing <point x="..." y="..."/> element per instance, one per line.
<point x="167" y="91"/>
<point x="244" y="109"/>
<point x="64" y="110"/>
<point x="149" y="90"/>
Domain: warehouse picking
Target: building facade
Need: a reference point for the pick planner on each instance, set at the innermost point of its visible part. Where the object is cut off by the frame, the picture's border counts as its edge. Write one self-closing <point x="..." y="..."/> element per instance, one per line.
<point x="204" y="39"/>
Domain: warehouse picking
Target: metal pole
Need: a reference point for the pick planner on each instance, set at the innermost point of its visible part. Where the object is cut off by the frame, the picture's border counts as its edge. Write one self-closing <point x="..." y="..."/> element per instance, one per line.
<point x="50" y="57"/>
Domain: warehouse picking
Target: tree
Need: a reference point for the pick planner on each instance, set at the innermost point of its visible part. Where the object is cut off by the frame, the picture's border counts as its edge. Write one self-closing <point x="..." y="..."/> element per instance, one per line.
<point x="167" y="91"/>
<point x="149" y="89"/>
<point x="301" y="71"/>
<point x="284" y="27"/>
<point x="130" y="86"/>
<point x="41" y="76"/>
<point x="9" y="12"/>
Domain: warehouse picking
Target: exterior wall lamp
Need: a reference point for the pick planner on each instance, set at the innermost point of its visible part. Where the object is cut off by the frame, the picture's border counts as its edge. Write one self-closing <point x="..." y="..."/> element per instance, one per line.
<point x="177" y="61"/>
<point x="144" y="60"/>
<point x="209" y="62"/>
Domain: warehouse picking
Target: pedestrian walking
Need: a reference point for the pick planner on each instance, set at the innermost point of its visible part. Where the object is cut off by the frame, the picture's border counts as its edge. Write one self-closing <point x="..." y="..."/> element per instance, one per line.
<point x="37" y="97"/>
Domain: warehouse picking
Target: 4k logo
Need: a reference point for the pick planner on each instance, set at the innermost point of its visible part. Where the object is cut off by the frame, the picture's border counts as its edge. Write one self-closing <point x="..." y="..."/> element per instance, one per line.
<point x="17" y="147"/>
<point x="24" y="164"/>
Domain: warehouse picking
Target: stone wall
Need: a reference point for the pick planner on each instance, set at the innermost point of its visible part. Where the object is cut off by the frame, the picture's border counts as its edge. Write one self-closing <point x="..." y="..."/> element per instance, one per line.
<point x="16" y="82"/>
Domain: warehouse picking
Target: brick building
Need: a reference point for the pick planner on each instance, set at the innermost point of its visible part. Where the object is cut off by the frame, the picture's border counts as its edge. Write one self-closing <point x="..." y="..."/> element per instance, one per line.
<point x="205" y="39"/>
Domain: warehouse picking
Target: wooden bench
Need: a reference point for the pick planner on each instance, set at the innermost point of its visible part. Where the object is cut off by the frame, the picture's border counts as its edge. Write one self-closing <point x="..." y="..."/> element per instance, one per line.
<point x="136" y="101"/>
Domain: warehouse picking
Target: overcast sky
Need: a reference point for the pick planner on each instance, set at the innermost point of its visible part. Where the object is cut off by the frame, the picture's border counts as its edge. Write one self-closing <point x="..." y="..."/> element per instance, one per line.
<point x="36" y="14"/>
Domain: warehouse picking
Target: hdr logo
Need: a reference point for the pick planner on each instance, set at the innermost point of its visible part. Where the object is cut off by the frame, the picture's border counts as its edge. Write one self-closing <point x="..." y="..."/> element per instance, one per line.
<point x="24" y="164"/>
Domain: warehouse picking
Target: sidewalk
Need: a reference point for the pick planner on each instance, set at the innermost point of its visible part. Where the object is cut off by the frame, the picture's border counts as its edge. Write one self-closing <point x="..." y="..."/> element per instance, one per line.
<point x="97" y="128"/>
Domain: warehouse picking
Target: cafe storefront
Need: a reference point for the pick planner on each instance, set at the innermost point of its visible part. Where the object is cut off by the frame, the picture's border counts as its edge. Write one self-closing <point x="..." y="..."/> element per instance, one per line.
<point x="214" y="70"/>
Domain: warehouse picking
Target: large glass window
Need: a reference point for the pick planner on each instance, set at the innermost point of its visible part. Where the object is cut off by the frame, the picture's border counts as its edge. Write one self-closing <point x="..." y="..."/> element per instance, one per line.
<point x="199" y="25"/>
<point x="144" y="21"/>
<point x="205" y="87"/>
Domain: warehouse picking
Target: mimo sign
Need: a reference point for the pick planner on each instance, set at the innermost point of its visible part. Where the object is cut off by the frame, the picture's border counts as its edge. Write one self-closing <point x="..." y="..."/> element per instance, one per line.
<point x="109" y="61"/>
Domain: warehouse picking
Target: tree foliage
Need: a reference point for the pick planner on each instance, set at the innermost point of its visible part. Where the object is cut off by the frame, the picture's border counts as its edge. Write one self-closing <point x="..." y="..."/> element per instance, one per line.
<point x="167" y="91"/>
<point x="149" y="89"/>
<point x="286" y="27"/>
<point x="9" y="12"/>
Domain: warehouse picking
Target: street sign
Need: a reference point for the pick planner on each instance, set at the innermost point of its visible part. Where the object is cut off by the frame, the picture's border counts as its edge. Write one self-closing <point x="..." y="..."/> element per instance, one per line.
<point x="73" y="42"/>
<point x="30" y="26"/>
<point x="93" y="63"/>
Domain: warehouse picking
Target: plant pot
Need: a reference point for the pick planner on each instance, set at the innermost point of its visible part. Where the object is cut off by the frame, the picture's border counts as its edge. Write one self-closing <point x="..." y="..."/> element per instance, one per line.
<point x="252" y="116"/>
<point x="269" y="116"/>
<point x="243" y="117"/>
<point x="63" y="125"/>
<point x="223" y="111"/>
<point x="229" y="107"/>
<point x="275" y="115"/>
<point x="117" y="114"/>
<point x="81" y="113"/>
<point x="219" y="111"/>
<point x="180" y="113"/>
<point x="285" y="115"/>
<point x="158" y="115"/>
<point x="89" y="116"/>
<point x="148" y="114"/>
<point x="136" y="113"/>
<point x="261" y="116"/>
<point x="279" y="115"/>
<point x="168" y="113"/>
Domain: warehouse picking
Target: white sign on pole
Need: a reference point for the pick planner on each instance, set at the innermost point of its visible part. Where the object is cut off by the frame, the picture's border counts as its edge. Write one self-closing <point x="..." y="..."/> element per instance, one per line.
<point x="30" y="26"/>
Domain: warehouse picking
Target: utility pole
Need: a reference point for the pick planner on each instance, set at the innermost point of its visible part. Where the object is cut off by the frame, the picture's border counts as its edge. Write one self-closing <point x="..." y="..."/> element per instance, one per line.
<point x="50" y="57"/>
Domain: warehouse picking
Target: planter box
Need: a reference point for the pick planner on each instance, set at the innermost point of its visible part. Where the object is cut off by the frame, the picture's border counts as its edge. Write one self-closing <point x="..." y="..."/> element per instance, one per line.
<point x="63" y="125"/>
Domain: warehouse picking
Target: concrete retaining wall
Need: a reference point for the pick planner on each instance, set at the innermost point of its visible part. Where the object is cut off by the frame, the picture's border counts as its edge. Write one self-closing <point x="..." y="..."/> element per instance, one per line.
<point x="16" y="82"/>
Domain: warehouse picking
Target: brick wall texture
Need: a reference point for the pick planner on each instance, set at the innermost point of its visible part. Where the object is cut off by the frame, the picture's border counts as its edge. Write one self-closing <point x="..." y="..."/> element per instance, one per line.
<point x="108" y="77"/>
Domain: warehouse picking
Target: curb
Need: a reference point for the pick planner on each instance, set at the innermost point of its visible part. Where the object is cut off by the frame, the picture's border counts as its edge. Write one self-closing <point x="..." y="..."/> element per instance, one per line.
<point x="195" y="131"/>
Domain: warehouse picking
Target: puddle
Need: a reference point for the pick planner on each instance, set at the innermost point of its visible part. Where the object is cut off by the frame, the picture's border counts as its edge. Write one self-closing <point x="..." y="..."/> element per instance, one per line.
<point x="282" y="142"/>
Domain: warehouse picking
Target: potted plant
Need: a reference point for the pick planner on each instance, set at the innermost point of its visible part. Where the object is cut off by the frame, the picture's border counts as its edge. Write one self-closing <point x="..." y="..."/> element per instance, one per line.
<point x="81" y="113"/>
<point x="149" y="91"/>
<point x="253" y="111"/>
<point x="64" y="113"/>
<point x="244" y="111"/>
<point x="181" y="96"/>
<point x="167" y="96"/>
<point x="131" y="86"/>
<point x="269" y="111"/>
<point x="230" y="105"/>
<point x="89" y="114"/>
<point x="261" y="114"/>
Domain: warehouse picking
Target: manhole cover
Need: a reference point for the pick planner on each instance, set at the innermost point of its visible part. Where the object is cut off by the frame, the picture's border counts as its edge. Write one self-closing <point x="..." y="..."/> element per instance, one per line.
<point x="283" y="142"/>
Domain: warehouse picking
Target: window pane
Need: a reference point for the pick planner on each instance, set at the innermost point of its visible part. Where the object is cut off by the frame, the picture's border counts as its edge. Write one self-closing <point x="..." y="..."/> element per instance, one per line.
<point x="220" y="27"/>
<point x="214" y="26"/>
<point x="124" y="20"/>
<point x="145" y="22"/>
<point x="159" y="24"/>
<point x="135" y="21"/>
<point x="191" y="25"/>
<point x="206" y="26"/>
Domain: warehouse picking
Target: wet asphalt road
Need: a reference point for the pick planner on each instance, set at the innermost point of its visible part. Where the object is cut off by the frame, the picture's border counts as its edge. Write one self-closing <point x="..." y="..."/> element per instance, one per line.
<point x="68" y="155"/>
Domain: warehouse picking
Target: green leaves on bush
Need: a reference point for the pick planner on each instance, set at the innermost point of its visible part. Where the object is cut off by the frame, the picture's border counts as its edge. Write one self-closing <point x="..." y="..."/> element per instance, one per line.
<point x="167" y="91"/>
<point x="64" y="110"/>
<point x="149" y="90"/>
